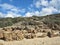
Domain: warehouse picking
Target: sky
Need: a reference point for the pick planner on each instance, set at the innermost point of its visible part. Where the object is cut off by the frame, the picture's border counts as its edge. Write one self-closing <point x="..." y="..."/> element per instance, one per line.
<point x="28" y="8"/>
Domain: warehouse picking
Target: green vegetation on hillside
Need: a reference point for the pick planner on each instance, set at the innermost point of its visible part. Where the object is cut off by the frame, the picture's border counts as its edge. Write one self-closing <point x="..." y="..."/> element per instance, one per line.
<point x="50" y="20"/>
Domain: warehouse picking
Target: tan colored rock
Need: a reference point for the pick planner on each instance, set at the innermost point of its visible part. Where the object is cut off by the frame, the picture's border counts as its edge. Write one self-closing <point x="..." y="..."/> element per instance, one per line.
<point x="19" y="35"/>
<point x="39" y="35"/>
<point x="45" y="30"/>
<point x="33" y="35"/>
<point x="30" y="36"/>
<point x="14" y="37"/>
<point x="32" y="31"/>
<point x="55" y="33"/>
<point x="1" y="34"/>
<point x="7" y="36"/>
<point x="9" y="29"/>
<point x="24" y="31"/>
<point x="1" y="44"/>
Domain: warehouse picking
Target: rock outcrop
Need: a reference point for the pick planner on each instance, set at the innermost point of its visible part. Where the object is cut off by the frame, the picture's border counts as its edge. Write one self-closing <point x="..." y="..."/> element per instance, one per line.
<point x="28" y="30"/>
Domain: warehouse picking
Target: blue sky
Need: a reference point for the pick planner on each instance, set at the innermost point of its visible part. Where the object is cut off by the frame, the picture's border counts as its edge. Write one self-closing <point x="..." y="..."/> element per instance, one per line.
<point x="27" y="8"/>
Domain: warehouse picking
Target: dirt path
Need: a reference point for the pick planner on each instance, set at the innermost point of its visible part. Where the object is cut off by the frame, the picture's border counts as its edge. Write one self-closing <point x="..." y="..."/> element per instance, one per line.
<point x="36" y="41"/>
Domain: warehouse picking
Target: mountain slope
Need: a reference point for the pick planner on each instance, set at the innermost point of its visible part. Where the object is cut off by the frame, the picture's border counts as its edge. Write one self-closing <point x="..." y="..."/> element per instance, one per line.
<point x="51" y="21"/>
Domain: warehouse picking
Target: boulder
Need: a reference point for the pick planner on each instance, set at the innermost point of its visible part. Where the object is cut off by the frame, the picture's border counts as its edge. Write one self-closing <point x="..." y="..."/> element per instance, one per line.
<point x="55" y="33"/>
<point x="1" y="34"/>
<point x="7" y="36"/>
<point x="19" y="35"/>
<point x="24" y="31"/>
<point x="14" y="37"/>
<point x="40" y="35"/>
<point x="7" y="29"/>
<point x="30" y="36"/>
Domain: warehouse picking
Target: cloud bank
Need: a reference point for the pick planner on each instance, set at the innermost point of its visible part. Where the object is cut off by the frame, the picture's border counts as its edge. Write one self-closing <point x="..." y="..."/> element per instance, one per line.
<point x="48" y="7"/>
<point x="11" y="11"/>
<point x="45" y="7"/>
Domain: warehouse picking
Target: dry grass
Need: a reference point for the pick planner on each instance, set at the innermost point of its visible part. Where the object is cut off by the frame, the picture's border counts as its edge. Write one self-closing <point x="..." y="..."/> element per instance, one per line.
<point x="35" y="41"/>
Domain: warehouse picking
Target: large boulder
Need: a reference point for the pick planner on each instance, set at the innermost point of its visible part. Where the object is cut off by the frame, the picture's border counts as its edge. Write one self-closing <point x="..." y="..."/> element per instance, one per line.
<point x="14" y="37"/>
<point x="30" y="36"/>
<point x="55" y="33"/>
<point x="19" y="35"/>
<point x="9" y="29"/>
<point x="40" y="35"/>
<point x="7" y="36"/>
<point x="24" y="31"/>
<point x="1" y="34"/>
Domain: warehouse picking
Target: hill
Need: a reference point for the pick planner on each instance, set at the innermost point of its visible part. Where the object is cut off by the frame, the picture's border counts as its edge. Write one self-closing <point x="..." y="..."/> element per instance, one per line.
<point x="29" y="27"/>
<point x="52" y="21"/>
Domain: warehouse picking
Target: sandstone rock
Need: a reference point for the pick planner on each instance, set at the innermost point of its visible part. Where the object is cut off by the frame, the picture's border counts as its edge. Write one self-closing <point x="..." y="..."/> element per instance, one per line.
<point x="30" y="36"/>
<point x="1" y="33"/>
<point x="19" y="35"/>
<point x="7" y="29"/>
<point x="24" y="31"/>
<point x="55" y="33"/>
<point x="39" y="35"/>
<point x="14" y="37"/>
<point x="7" y="36"/>
<point x="1" y="44"/>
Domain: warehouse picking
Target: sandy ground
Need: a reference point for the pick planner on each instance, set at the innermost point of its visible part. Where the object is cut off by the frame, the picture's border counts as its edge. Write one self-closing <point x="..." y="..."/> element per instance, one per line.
<point x="35" y="41"/>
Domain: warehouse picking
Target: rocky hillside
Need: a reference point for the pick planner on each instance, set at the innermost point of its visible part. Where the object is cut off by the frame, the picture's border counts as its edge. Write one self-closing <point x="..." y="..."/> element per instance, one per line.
<point x="52" y="21"/>
<point x="49" y="21"/>
<point x="29" y="27"/>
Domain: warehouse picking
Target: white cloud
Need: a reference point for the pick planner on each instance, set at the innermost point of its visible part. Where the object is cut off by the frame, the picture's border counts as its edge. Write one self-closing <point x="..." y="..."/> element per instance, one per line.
<point x="1" y="14"/>
<point x="37" y="13"/>
<point x="22" y="10"/>
<point x="43" y="12"/>
<point x="50" y="7"/>
<point x="47" y="11"/>
<point x="52" y="3"/>
<point x="6" y="6"/>
<point x="13" y="11"/>
<point x="11" y="14"/>
<point x="44" y="3"/>
<point x="39" y="3"/>
<point x="55" y="3"/>
<point x="28" y="14"/>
